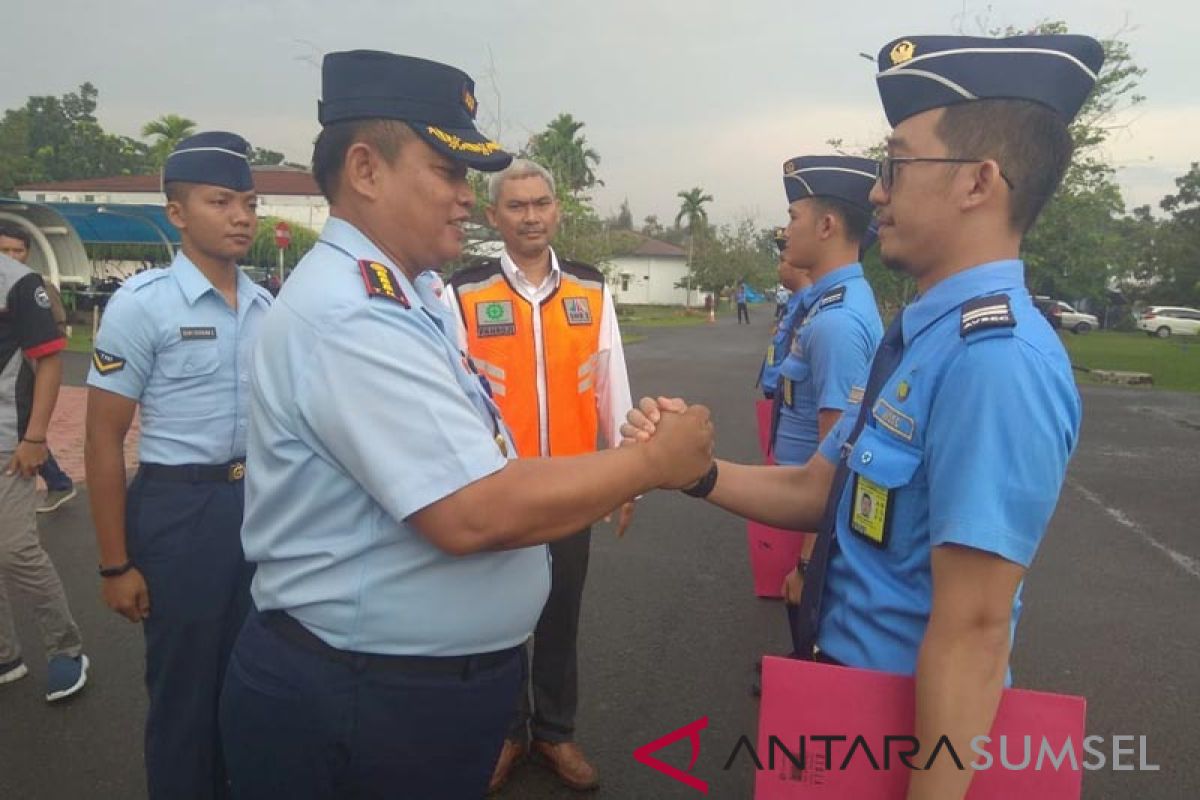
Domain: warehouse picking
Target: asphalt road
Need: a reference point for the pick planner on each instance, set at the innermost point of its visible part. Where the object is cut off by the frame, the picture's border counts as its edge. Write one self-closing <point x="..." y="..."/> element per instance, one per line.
<point x="671" y="625"/>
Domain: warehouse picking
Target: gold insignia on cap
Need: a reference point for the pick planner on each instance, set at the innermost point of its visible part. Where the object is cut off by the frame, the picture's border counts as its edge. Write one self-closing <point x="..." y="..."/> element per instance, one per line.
<point x="460" y="145"/>
<point x="469" y="99"/>
<point x="902" y="52"/>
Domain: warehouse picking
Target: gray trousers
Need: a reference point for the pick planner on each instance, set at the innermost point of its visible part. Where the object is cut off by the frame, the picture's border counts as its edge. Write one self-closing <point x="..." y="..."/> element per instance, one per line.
<point x="554" y="674"/>
<point x="26" y="567"/>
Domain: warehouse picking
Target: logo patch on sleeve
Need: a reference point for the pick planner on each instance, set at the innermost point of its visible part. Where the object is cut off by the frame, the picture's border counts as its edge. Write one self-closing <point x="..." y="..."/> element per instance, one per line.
<point x="41" y="297"/>
<point x="495" y="318"/>
<point x="198" y="333"/>
<point x="578" y="310"/>
<point x="380" y="282"/>
<point x="106" y="363"/>
<point x="983" y="313"/>
<point x="832" y="298"/>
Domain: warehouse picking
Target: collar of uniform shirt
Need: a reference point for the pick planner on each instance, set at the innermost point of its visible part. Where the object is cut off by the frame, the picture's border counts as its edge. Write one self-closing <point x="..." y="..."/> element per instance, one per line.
<point x="195" y="285"/>
<point x="534" y="294"/>
<point x="941" y="299"/>
<point x="828" y="281"/>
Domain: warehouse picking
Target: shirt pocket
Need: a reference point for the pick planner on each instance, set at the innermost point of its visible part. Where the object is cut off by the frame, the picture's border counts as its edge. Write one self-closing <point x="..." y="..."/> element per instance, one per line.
<point x="189" y="360"/>
<point x="884" y="460"/>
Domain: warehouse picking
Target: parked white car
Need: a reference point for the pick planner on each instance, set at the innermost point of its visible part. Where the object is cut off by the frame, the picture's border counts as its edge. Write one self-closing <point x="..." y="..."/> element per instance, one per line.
<point x="1076" y="321"/>
<point x="1164" y="321"/>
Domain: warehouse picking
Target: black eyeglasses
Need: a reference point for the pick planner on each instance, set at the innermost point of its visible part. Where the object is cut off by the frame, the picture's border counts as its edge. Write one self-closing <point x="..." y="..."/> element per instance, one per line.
<point x="886" y="170"/>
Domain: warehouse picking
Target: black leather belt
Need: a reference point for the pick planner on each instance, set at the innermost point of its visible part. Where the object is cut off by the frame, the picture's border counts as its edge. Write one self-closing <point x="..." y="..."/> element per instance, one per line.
<point x="291" y="630"/>
<point x="232" y="472"/>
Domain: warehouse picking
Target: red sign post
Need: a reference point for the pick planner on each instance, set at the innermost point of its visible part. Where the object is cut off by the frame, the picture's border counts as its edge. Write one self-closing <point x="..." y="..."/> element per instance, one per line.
<point x="283" y="237"/>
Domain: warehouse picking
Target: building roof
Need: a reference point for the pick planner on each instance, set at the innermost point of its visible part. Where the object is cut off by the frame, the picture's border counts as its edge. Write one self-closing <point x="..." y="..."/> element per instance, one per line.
<point x="653" y="247"/>
<point x="268" y="180"/>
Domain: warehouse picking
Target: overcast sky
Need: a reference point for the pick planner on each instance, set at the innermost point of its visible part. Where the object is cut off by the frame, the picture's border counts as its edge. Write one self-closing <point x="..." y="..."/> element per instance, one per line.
<point x="711" y="93"/>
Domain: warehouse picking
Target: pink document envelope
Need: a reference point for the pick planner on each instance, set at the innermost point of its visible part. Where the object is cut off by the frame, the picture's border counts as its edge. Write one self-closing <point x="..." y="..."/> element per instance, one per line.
<point x="809" y="699"/>
<point x="762" y="410"/>
<point x="774" y="553"/>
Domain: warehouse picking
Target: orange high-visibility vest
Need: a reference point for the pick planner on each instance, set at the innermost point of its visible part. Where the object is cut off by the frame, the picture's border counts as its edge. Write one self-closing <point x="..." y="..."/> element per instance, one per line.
<point x="503" y="333"/>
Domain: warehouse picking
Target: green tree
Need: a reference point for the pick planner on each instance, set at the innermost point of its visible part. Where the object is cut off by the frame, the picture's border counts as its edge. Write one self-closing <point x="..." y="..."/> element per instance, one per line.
<point x="167" y="131"/>
<point x="624" y="218"/>
<point x="692" y="209"/>
<point x="58" y="138"/>
<point x="262" y="157"/>
<point x="561" y="149"/>
<point x="1177" y="247"/>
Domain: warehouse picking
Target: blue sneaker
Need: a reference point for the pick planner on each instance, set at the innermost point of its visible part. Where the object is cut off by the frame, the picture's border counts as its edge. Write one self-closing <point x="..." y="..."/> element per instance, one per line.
<point x="66" y="676"/>
<point x="13" y="671"/>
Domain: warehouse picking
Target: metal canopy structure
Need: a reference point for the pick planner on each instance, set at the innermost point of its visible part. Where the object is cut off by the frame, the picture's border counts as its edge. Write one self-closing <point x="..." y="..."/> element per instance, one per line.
<point x="60" y="231"/>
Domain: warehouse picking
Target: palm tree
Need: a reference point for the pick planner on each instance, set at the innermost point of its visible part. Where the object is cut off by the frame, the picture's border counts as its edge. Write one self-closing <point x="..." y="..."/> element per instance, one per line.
<point x="168" y="131"/>
<point x="692" y="209"/>
<point x="564" y="152"/>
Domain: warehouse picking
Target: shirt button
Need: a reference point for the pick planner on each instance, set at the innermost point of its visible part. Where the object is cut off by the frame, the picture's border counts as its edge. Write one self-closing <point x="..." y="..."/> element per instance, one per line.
<point x="241" y="423"/>
<point x="867" y="457"/>
<point x="187" y="365"/>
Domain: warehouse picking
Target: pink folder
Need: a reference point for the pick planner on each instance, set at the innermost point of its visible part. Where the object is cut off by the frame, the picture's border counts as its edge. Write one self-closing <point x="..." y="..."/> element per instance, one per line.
<point x="774" y="553"/>
<point x="762" y="410"/>
<point x="805" y="698"/>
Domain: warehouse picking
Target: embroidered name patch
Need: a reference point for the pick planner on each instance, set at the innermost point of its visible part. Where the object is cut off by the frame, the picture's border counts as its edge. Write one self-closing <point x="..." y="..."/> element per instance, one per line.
<point x="832" y="298"/>
<point x="495" y="318"/>
<point x="894" y="420"/>
<point x="198" y="333"/>
<point x="106" y="363"/>
<point x="578" y="310"/>
<point x="986" y="312"/>
<point x="380" y="282"/>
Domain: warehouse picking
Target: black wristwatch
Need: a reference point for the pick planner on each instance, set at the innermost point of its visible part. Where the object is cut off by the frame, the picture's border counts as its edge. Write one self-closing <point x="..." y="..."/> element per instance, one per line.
<point x="703" y="487"/>
<point x="115" y="572"/>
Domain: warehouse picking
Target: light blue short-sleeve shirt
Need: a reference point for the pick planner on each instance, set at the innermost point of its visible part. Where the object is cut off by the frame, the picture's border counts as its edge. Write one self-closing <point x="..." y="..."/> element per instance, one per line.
<point x="171" y="342"/>
<point x="777" y="350"/>
<point x="969" y="439"/>
<point x="364" y="412"/>
<point x="830" y="355"/>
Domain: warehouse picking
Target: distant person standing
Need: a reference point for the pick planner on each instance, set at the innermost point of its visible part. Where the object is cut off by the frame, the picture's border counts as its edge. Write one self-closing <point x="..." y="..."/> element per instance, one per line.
<point x="739" y="297"/>
<point x="15" y="243"/>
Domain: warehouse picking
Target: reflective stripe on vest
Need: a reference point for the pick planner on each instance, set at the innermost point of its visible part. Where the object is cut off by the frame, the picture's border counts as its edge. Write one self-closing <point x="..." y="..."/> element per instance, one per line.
<point x="502" y="328"/>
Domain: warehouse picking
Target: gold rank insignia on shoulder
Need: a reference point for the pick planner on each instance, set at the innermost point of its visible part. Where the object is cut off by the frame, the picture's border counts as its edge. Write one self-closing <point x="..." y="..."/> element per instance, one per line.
<point x="903" y="52"/>
<point x="502" y="444"/>
<point x="902" y="390"/>
<point x="380" y="282"/>
<point x="107" y="363"/>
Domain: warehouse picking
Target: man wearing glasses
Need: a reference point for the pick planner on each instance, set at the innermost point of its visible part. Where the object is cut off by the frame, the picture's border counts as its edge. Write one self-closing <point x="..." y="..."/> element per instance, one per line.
<point x="935" y="510"/>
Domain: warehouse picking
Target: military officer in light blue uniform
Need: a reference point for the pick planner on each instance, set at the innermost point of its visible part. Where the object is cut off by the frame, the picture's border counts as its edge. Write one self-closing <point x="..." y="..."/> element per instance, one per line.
<point x="837" y="327"/>
<point x="936" y="507"/>
<point x="177" y="343"/>
<point x="399" y="544"/>
<point x="795" y="281"/>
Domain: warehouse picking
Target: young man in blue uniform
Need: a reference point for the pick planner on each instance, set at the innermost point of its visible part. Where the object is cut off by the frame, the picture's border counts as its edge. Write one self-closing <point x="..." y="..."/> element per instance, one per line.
<point x="399" y="544"/>
<point x="935" y="510"/>
<point x="177" y="342"/>
<point x="795" y="281"/>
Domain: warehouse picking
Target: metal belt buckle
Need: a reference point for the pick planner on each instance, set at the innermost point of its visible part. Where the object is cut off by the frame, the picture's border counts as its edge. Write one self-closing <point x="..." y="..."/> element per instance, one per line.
<point x="237" y="471"/>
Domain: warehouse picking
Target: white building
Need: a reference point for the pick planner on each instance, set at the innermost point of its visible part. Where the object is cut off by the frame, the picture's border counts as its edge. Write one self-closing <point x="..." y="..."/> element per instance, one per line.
<point x="653" y="274"/>
<point x="284" y="192"/>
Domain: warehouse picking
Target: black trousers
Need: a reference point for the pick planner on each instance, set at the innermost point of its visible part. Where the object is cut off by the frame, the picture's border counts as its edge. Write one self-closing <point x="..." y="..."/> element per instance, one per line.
<point x="185" y="539"/>
<point x="743" y="312"/>
<point x="554" y="670"/>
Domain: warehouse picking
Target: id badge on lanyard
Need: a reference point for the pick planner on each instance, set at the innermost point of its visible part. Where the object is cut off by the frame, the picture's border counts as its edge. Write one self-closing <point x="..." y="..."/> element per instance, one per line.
<point x="871" y="511"/>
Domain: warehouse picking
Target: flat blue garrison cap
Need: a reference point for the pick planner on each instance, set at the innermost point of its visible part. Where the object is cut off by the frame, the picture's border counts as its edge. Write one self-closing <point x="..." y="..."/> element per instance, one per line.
<point x="845" y="178"/>
<point x="213" y="157"/>
<point x="919" y="73"/>
<point x="436" y="100"/>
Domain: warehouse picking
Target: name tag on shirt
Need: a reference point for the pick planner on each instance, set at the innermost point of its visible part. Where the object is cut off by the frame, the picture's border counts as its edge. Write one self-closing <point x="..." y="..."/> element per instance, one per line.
<point x="198" y="333"/>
